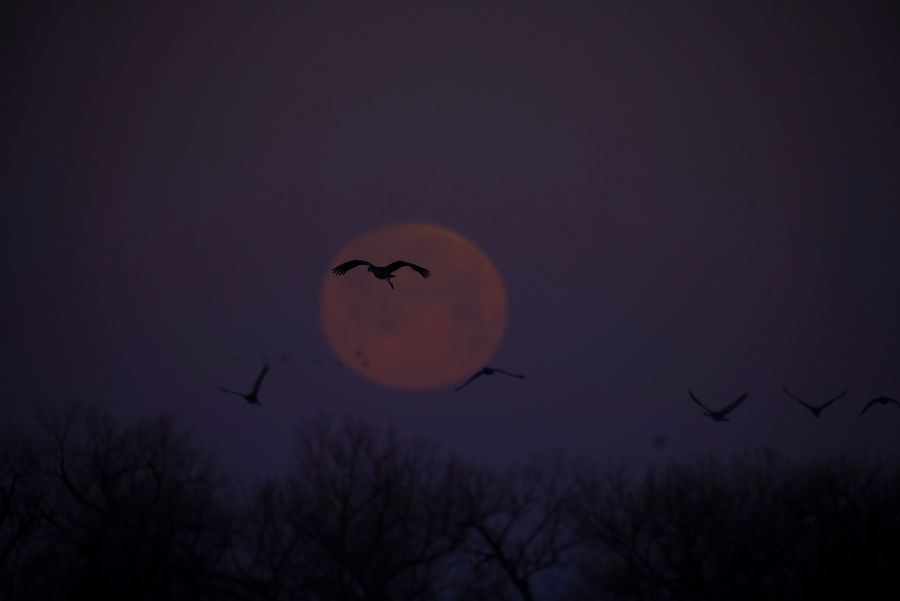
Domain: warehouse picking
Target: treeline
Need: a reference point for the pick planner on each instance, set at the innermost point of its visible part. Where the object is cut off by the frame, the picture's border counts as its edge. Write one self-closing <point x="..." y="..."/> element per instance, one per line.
<point x="90" y="509"/>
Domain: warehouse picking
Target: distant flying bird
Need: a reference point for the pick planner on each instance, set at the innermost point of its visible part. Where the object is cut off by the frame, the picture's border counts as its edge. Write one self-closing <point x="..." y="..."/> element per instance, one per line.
<point x="382" y="273"/>
<point x="816" y="409"/>
<point x="487" y="371"/>
<point x="719" y="415"/>
<point x="251" y="397"/>
<point x="882" y="400"/>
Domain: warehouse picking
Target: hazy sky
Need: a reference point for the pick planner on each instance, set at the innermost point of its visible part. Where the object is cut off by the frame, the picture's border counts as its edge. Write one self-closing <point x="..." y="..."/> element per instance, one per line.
<point x="703" y="195"/>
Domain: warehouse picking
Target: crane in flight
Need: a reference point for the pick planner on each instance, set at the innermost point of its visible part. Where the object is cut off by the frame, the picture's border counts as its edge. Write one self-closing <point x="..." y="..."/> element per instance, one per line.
<point x="385" y="272"/>
<point x="882" y="400"/>
<point x="487" y="371"/>
<point x="815" y="409"/>
<point x="251" y="397"/>
<point x="719" y="416"/>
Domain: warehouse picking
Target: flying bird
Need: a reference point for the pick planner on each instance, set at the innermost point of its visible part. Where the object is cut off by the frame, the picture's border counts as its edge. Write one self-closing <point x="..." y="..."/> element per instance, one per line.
<point x="815" y="409"/>
<point x="251" y="397"/>
<point x="487" y="371"/>
<point x="719" y="415"/>
<point x="385" y="272"/>
<point x="882" y="400"/>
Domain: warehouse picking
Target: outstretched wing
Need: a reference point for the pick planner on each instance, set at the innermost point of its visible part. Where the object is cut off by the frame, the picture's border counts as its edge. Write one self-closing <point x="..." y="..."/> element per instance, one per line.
<point x="234" y="392"/>
<point x="799" y="400"/>
<point x="398" y="264"/>
<point x="345" y="267"/>
<point x="696" y="400"/>
<point x="728" y="409"/>
<point x="503" y="371"/>
<point x="869" y="404"/>
<point x="890" y="400"/>
<point x="830" y="401"/>
<point x="467" y="382"/>
<point x="259" y="378"/>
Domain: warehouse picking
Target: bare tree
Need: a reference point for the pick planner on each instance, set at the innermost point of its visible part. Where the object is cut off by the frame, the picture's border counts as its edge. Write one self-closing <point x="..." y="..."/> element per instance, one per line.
<point x="518" y="525"/>
<point x="755" y="528"/>
<point x="128" y="511"/>
<point x="19" y="504"/>
<point x="363" y="516"/>
<point x="90" y="509"/>
<point x="268" y="535"/>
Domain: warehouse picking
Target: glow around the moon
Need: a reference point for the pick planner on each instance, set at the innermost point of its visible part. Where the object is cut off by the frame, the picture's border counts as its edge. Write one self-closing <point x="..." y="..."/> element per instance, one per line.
<point x="425" y="333"/>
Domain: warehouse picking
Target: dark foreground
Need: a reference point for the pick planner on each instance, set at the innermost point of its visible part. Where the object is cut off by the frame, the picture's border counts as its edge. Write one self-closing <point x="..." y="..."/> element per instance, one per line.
<point x="94" y="510"/>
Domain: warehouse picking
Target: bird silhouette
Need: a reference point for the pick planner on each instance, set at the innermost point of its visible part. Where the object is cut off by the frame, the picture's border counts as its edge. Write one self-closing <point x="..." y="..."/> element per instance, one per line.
<point x="385" y="272"/>
<point x="719" y="415"/>
<point x="882" y="400"/>
<point x="251" y="397"/>
<point x="815" y="409"/>
<point x="487" y="371"/>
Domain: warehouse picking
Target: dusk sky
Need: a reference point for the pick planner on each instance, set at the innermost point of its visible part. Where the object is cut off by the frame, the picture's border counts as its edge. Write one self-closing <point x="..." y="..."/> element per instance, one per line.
<point x="674" y="195"/>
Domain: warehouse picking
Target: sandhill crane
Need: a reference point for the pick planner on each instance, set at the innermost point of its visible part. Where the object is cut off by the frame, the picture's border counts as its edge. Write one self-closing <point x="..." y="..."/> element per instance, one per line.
<point x="815" y="409"/>
<point x="382" y="273"/>
<point x="487" y="371"/>
<point x="882" y="400"/>
<point x="719" y="415"/>
<point x="251" y="397"/>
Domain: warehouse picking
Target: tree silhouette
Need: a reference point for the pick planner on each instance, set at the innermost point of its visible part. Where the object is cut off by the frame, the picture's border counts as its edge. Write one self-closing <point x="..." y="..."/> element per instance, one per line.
<point x="362" y="516"/>
<point x="19" y="509"/>
<point x="519" y="526"/>
<point x="751" y="529"/>
<point x="126" y="512"/>
<point x="90" y="509"/>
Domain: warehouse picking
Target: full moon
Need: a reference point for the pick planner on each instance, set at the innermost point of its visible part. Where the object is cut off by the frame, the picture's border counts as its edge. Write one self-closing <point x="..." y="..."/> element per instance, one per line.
<point x="424" y="333"/>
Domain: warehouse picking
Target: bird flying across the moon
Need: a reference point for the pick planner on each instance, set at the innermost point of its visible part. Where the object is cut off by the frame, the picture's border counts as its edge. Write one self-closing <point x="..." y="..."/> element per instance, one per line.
<point x="385" y="272"/>
<point x="251" y="397"/>
<point x="437" y="332"/>
<point x="719" y="416"/>
<point x="815" y="409"/>
<point x="882" y="400"/>
<point x="487" y="371"/>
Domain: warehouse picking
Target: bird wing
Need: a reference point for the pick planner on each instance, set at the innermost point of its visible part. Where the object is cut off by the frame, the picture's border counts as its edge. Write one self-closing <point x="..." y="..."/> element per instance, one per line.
<point x="799" y="400"/>
<point x="467" y="382"/>
<point x="831" y="400"/>
<point x="728" y="409"/>
<point x="259" y="378"/>
<point x="503" y="371"/>
<point x="869" y="404"/>
<point x="894" y="401"/>
<point x="696" y="400"/>
<point x="398" y="264"/>
<point x="345" y="267"/>
<point x="240" y="394"/>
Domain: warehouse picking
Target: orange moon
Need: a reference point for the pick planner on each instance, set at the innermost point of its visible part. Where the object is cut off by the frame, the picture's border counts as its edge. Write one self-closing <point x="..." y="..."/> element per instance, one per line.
<point x="424" y="333"/>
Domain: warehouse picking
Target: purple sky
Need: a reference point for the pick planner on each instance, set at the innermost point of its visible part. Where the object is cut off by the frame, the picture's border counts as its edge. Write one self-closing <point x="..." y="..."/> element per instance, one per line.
<point x="675" y="197"/>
